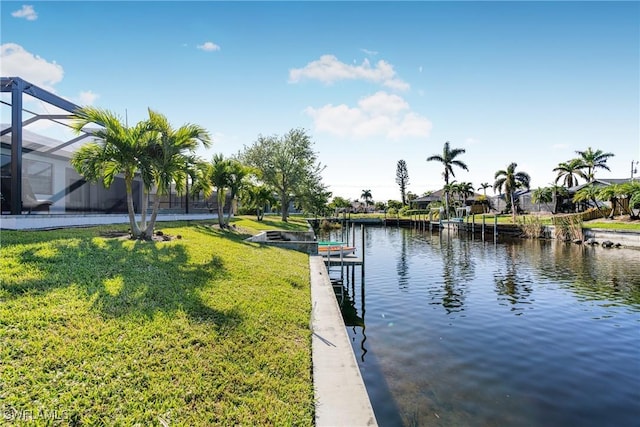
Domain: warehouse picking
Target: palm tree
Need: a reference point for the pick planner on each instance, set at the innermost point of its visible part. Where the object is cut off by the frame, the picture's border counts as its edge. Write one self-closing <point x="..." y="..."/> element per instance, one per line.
<point x="542" y="195"/>
<point x="366" y="196"/>
<point x="215" y="176"/>
<point x="119" y="150"/>
<point x="465" y="189"/>
<point x="589" y="193"/>
<point x="485" y="201"/>
<point x="592" y="160"/>
<point x="632" y="193"/>
<point x="450" y="189"/>
<point x="484" y="187"/>
<point x="170" y="152"/>
<point x="508" y="181"/>
<point x="448" y="159"/>
<point x="238" y="173"/>
<point x="556" y="192"/>
<point x="569" y="172"/>
<point x="613" y="193"/>
<point x="258" y="196"/>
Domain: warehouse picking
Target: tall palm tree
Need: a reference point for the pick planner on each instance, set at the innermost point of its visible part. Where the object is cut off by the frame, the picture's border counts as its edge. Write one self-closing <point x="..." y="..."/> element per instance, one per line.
<point x="508" y="181"/>
<point x="170" y="152"/>
<point x="120" y="150"/>
<point x="366" y="196"/>
<point x="593" y="160"/>
<point x="569" y="172"/>
<point x="484" y="187"/>
<point x="485" y="202"/>
<point x="448" y="160"/>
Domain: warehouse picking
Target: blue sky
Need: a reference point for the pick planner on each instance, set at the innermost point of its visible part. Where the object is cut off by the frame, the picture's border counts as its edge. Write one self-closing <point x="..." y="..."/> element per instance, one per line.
<point x="371" y="82"/>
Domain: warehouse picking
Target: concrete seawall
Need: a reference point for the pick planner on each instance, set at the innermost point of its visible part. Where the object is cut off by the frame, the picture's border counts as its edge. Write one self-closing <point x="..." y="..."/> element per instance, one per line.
<point x="340" y="395"/>
<point x="626" y="238"/>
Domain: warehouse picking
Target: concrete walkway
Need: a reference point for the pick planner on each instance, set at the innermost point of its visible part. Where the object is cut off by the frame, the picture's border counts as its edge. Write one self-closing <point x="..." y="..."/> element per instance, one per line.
<point x="340" y="395"/>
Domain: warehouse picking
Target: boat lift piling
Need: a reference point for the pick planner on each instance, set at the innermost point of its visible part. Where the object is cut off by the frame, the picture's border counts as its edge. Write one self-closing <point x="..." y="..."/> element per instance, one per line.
<point x="363" y="245"/>
<point x="331" y="259"/>
<point x="484" y="222"/>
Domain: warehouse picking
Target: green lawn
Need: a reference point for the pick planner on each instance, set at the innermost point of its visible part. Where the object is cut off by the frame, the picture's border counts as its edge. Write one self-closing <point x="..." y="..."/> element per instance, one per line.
<point x="294" y="223"/>
<point x="203" y="330"/>
<point x="633" y="226"/>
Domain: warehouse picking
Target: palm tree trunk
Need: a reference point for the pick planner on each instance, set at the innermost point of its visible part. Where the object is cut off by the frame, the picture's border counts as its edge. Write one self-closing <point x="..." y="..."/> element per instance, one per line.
<point x="595" y="202"/>
<point x="145" y="205"/>
<point x="221" y="198"/>
<point x="613" y="208"/>
<point x="148" y="233"/>
<point x="231" y="210"/>
<point x="135" y="230"/>
<point x="513" y="208"/>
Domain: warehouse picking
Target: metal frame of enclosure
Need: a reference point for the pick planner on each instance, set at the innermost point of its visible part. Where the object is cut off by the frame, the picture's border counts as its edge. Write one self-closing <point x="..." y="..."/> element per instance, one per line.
<point x="18" y="87"/>
<point x="35" y="152"/>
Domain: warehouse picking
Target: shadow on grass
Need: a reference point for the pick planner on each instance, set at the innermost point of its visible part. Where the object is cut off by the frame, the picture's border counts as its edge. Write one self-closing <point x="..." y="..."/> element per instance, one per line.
<point x="232" y="235"/>
<point x="273" y="224"/>
<point x="215" y="230"/>
<point x="123" y="279"/>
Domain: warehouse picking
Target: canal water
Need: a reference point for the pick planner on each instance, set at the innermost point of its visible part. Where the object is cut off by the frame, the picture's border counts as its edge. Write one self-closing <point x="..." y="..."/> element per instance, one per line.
<point x="449" y="330"/>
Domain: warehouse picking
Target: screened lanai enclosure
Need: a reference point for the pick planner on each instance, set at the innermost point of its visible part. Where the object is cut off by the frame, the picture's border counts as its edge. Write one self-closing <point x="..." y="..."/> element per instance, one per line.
<point x="37" y="143"/>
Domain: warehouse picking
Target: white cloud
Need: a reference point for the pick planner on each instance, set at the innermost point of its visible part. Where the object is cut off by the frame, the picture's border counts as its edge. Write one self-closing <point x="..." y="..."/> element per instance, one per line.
<point x="380" y="114"/>
<point x="328" y="69"/>
<point x="397" y="84"/>
<point x="27" y="12"/>
<point x="17" y="62"/>
<point x="208" y="47"/>
<point x="337" y="120"/>
<point x="369" y="52"/>
<point x="87" y="97"/>
<point x="382" y="103"/>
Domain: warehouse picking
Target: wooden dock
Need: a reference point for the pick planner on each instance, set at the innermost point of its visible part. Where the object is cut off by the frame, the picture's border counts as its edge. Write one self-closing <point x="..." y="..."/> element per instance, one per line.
<point x="345" y="260"/>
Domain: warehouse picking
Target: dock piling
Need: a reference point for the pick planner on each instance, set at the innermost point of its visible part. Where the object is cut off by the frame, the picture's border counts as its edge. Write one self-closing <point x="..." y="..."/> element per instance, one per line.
<point x="363" y="246"/>
<point x="484" y="222"/>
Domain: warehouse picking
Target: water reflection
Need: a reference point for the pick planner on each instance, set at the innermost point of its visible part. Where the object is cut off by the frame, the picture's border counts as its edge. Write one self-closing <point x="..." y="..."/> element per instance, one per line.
<point x="403" y="263"/>
<point x="353" y="318"/>
<point x="513" y="285"/>
<point x="523" y="332"/>
<point x="457" y="272"/>
<point x="590" y="272"/>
